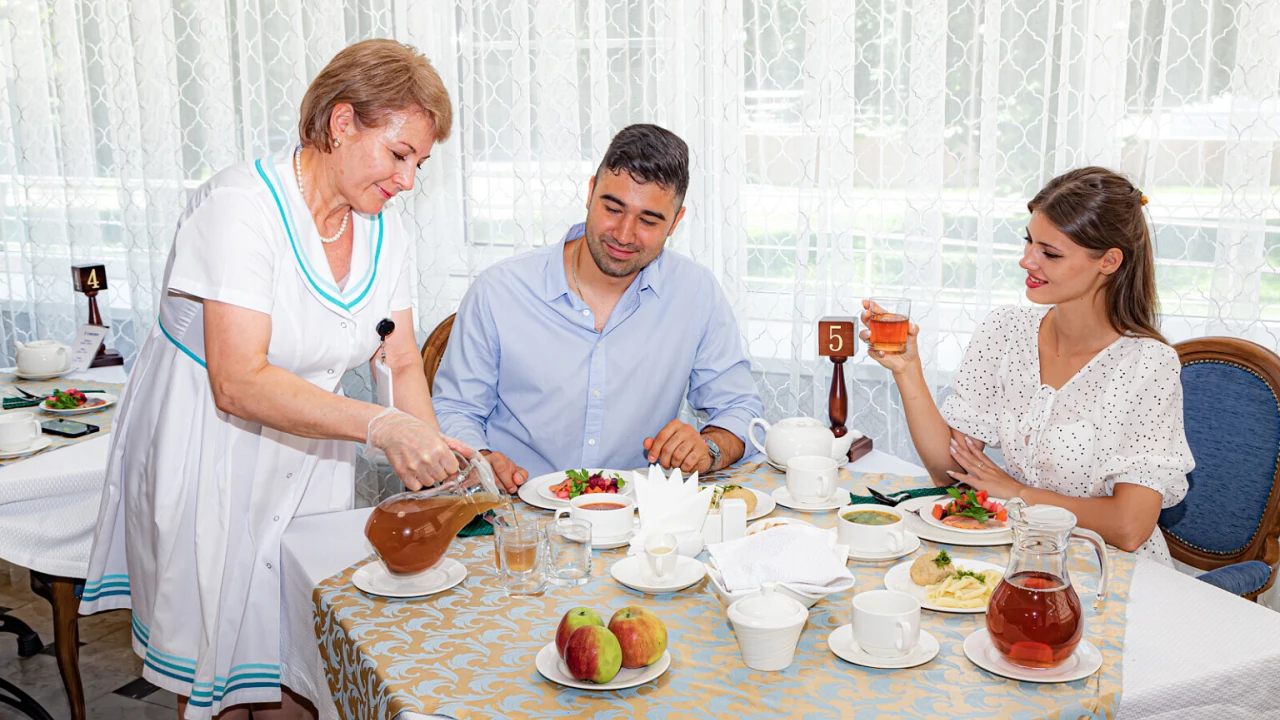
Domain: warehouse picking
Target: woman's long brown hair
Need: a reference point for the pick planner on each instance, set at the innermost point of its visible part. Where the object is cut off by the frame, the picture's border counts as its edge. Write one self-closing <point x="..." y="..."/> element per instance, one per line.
<point x="1099" y="210"/>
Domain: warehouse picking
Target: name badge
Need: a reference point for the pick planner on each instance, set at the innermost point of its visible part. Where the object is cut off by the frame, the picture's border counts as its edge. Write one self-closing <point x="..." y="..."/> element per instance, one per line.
<point x="382" y="378"/>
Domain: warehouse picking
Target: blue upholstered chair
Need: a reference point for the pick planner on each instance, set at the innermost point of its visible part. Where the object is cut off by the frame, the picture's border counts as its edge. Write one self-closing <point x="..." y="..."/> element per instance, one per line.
<point x="1229" y="522"/>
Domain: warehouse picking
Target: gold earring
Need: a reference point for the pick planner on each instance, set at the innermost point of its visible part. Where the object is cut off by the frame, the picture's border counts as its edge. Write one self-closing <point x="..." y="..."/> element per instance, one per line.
<point x="337" y="142"/>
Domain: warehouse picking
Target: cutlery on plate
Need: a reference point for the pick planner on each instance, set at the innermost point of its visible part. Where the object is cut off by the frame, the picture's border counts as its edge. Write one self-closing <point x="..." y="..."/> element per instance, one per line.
<point x="891" y="499"/>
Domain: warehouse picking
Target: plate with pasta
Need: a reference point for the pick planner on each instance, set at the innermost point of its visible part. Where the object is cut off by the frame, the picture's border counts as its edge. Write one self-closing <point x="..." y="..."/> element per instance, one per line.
<point x="961" y="585"/>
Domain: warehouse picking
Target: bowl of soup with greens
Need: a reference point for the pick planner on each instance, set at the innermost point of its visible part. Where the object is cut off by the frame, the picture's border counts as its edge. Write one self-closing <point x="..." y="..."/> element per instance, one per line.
<point x="870" y="517"/>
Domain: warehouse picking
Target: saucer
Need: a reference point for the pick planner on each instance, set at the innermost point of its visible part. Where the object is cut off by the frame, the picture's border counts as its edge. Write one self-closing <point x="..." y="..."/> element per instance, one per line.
<point x="35" y="446"/>
<point x="1084" y="662"/>
<point x="551" y="667"/>
<point x="913" y="544"/>
<point x="632" y="572"/>
<point x="843" y="645"/>
<point x="41" y="376"/>
<point x="835" y="502"/>
<point x="374" y="579"/>
<point x="107" y="400"/>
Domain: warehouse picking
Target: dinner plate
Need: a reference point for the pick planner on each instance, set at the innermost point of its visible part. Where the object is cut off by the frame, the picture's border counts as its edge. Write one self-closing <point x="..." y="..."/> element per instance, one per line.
<point x="106" y="401"/>
<point x="899" y="578"/>
<point x="374" y="579"/>
<point x="926" y="514"/>
<point x="633" y="572"/>
<point x="764" y="505"/>
<point x="947" y="536"/>
<point x="36" y="446"/>
<point x="544" y="489"/>
<point x="534" y="491"/>
<point x="835" y="502"/>
<point x="548" y="663"/>
<point x="846" y="648"/>
<point x="761" y="525"/>
<point x="1084" y="661"/>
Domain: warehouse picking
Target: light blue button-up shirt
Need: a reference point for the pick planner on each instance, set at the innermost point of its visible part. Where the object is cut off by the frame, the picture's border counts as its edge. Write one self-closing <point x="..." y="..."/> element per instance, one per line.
<point x="526" y="374"/>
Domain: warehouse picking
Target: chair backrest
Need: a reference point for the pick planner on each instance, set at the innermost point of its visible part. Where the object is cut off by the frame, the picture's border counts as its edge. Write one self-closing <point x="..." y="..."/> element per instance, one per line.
<point x="1231" y="408"/>
<point x="433" y="349"/>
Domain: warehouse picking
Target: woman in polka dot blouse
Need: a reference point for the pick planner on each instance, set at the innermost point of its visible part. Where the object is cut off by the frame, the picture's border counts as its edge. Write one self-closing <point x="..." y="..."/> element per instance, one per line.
<point x="1081" y="392"/>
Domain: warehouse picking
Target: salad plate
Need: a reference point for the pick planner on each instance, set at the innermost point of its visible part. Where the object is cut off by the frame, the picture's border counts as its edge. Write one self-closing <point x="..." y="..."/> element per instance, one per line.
<point x="987" y="515"/>
<point x="947" y="536"/>
<point x="93" y="402"/>
<point x="536" y="491"/>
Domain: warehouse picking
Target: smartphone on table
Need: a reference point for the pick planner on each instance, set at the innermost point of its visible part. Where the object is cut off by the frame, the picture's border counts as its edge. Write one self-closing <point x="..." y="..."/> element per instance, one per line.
<point x="63" y="427"/>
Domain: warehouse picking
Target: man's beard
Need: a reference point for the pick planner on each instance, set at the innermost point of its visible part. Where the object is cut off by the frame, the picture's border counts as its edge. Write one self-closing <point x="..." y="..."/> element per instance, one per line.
<point x="610" y="265"/>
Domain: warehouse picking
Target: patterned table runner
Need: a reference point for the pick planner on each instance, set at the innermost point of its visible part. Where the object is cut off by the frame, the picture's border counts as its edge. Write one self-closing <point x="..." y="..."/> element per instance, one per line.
<point x="102" y="418"/>
<point x="468" y="652"/>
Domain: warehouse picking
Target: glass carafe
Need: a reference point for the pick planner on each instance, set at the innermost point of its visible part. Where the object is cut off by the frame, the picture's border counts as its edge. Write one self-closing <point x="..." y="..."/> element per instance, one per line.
<point x="1034" y="617"/>
<point x="412" y="531"/>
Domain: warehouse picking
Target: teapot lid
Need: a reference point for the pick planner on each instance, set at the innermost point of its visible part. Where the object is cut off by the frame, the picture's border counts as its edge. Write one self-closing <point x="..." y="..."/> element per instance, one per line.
<point x="767" y="609"/>
<point x="802" y="421"/>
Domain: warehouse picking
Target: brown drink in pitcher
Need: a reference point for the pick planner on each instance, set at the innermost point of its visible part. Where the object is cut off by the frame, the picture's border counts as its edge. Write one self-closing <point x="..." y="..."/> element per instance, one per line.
<point x="889" y="326"/>
<point x="413" y="534"/>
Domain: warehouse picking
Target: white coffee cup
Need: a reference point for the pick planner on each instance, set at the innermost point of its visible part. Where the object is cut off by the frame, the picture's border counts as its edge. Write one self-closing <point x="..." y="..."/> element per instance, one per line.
<point x="872" y="538"/>
<point x="661" y="554"/>
<point x="886" y="623"/>
<point x="609" y="523"/>
<point x="812" y="478"/>
<point x="18" y="430"/>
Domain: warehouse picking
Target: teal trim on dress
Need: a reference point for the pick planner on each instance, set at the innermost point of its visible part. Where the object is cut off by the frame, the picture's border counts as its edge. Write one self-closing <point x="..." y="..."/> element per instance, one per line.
<point x="204" y="693"/>
<point x="181" y="347"/>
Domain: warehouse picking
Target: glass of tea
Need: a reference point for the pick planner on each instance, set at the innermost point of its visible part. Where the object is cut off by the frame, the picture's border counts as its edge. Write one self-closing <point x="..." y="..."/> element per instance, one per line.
<point x="889" y="325"/>
<point x="1034" y="617"/>
<point x="522" y="555"/>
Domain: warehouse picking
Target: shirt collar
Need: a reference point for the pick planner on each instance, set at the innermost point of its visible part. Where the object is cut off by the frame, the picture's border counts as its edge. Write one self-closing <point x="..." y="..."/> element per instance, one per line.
<point x="556" y="281"/>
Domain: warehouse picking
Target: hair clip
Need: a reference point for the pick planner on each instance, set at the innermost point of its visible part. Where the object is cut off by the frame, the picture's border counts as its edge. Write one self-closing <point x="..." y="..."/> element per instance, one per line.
<point x="1144" y="200"/>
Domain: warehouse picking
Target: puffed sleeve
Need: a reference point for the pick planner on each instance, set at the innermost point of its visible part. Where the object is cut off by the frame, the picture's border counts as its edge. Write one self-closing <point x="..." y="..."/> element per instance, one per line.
<point x="1143" y="409"/>
<point x="222" y="251"/>
<point x="974" y="407"/>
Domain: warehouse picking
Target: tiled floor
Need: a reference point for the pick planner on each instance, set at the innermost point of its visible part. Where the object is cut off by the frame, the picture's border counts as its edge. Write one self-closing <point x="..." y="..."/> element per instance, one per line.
<point x="107" y="662"/>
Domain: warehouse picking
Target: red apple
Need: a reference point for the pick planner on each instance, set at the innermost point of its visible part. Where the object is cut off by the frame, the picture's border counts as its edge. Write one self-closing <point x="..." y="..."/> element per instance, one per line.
<point x="593" y="654"/>
<point x="572" y="620"/>
<point x="641" y="635"/>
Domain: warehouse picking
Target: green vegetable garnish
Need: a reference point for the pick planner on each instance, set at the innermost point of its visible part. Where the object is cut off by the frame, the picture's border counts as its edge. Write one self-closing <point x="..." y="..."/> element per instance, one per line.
<point x="972" y="508"/>
<point x="943" y="559"/>
<point x="962" y="574"/>
<point x="61" y="401"/>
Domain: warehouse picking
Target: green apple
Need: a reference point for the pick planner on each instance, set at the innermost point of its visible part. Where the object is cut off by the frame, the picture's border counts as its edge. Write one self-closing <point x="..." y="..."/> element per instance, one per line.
<point x="593" y="654"/>
<point x="641" y="634"/>
<point x="572" y="620"/>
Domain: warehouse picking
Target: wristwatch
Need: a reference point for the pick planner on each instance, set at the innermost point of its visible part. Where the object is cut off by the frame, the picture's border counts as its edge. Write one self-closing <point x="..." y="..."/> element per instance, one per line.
<point x="714" y="449"/>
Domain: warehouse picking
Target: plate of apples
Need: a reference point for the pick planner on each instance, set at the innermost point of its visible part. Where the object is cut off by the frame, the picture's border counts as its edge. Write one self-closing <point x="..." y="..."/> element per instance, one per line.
<point x="589" y="655"/>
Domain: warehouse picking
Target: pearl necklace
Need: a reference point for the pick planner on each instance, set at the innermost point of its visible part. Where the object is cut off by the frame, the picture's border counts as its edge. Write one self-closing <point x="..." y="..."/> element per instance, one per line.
<point x="297" y="171"/>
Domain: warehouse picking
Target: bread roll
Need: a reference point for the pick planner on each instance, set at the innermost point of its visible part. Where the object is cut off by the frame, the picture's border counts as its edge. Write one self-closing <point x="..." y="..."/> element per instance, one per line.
<point x="928" y="569"/>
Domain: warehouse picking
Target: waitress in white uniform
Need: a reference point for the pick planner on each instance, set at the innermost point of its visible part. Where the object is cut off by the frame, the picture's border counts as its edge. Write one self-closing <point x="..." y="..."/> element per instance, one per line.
<point x="233" y="421"/>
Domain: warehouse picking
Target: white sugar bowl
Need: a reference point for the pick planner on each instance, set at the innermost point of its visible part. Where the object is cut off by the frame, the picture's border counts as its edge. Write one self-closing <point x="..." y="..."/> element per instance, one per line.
<point x="768" y="626"/>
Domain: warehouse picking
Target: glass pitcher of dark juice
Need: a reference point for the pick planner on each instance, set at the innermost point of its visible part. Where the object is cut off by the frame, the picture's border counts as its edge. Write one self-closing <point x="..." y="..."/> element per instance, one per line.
<point x="412" y="531"/>
<point x="1034" y="617"/>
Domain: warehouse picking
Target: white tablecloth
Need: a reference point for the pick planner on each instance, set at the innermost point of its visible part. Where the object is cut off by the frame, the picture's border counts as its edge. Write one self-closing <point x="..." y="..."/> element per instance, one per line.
<point x="49" y="502"/>
<point x="1191" y="650"/>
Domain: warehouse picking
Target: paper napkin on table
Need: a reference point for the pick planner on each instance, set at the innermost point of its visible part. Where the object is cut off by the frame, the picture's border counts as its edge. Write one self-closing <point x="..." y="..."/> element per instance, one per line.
<point x="797" y="555"/>
<point x="673" y="504"/>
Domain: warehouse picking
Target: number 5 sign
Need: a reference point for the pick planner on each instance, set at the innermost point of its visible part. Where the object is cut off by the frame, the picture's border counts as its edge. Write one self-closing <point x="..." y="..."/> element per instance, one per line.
<point x="836" y="336"/>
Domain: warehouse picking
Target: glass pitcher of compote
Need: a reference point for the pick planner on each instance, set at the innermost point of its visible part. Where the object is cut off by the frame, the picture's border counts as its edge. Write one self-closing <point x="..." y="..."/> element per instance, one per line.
<point x="412" y="531"/>
<point x="1034" y="617"/>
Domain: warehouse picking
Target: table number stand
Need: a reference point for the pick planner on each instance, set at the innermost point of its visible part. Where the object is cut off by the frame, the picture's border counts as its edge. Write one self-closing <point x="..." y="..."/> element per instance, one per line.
<point x="837" y="341"/>
<point x="90" y="280"/>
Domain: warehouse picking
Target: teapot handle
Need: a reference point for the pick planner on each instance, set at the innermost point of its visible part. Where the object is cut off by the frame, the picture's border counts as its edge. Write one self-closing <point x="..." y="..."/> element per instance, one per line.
<point x="751" y="433"/>
<point x="1104" y="563"/>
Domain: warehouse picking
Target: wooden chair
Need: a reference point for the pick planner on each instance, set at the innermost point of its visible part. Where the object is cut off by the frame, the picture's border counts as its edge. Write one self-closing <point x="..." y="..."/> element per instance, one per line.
<point x="433" y="348"/>
<point x="1230" y="520"/>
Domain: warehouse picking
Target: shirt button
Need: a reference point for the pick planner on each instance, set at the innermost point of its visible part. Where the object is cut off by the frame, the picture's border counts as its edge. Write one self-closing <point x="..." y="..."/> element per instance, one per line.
<point x="276" y="518"/>
<point x="592" y="441"/>
<point x="586" y="312"/>
<point x="597" y="345"/>
<point x="344" y="324"/>
<point x="289" y="475"/>
<point x="268" y="566"/>
<point x="331" y="371"/>
<point x="595" y="393"/>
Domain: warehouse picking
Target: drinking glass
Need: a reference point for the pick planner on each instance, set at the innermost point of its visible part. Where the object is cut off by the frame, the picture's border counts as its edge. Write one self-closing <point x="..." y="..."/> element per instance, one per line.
<point x="502" y="516"/>
<point x="568" y="552"/>
<point x="522" y="554"/>
<point x="889" y="326"/>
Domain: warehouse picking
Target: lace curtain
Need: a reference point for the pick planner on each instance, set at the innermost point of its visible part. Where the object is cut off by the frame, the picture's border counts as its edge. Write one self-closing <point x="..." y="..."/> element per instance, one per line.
<point x="840" y="150"/>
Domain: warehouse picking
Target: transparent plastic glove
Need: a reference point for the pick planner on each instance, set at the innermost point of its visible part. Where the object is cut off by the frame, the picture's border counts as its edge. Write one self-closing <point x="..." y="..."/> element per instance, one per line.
<point x="418" y="453"/>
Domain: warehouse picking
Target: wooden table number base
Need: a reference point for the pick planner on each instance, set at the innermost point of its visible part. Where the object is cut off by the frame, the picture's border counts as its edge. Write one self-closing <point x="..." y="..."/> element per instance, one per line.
<point x="837" y="341"/>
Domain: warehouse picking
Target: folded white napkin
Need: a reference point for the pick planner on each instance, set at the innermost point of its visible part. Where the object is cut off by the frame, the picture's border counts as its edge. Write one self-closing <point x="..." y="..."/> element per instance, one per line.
<point x="672" y="504"/>
<point x="798" y="555"/>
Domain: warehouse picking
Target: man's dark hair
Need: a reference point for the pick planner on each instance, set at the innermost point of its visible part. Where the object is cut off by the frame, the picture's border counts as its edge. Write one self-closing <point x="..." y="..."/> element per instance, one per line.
<point x="648" y="154"/>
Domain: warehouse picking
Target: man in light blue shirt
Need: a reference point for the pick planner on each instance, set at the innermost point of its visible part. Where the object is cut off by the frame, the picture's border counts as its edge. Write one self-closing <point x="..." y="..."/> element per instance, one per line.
<point x="579" y="354"/>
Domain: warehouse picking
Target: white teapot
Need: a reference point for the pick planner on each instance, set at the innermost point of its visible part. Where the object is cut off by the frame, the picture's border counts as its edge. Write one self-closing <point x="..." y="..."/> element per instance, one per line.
<point x="800" y="436"/>
<point x="42" y="357"/>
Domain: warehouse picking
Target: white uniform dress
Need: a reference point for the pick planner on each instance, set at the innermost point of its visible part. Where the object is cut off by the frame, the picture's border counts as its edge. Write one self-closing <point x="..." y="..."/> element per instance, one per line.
<point x="196" y="500"/>
<point x="1117" y="420"/>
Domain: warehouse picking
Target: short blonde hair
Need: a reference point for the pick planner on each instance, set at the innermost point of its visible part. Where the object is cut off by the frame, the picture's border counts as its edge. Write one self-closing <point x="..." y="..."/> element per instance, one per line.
<point x="378" y="78"/>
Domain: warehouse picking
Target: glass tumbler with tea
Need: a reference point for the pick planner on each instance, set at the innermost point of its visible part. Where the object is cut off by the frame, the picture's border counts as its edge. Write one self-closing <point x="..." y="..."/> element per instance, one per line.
<point x="1034" y="617"/>
<point x="568" y="551"/>
<point x="523" y="558"/>
<point x="889" y="322"/>
<point x="412" y="531"/>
